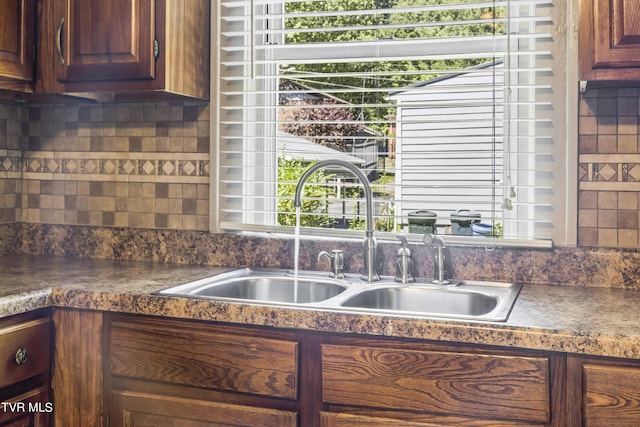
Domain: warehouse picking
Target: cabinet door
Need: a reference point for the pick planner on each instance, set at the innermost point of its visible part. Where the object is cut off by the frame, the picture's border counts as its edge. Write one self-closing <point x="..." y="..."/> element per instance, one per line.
<point x="98" y="40"/>
<point x="124" y="49"/>
<point x="143" y="409"/>
<point x="17" y="26"/>
<point x="609" y="40"/>
<point x="611" y="395"/>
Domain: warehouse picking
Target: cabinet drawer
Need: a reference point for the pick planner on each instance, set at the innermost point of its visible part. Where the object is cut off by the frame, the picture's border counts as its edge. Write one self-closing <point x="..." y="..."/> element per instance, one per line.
<point x="466" y="384"/>
<point x="199" y="356"/>
<point x="25" y="350"/>
<point x="611" y="395"/>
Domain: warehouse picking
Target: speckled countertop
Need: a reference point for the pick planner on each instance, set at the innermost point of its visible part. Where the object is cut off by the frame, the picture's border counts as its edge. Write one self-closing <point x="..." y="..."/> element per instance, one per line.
<point x="574" y="319"/>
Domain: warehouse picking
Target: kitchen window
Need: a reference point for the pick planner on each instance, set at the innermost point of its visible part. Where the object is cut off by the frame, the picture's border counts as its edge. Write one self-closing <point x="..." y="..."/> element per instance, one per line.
<point x="457" y="111"/>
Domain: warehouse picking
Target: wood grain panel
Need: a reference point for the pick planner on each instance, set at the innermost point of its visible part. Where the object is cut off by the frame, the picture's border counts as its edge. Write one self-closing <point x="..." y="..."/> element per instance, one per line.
<point x="611" y="396"/>
<point x="186" y="51"/>
<point x="17" y="31"/>
<point x="142" y="410"/>
<point x="10" y="23"/>
<point x="328" y="419"/>
<point x="626" y="23"/>
<point x="474" y="385"/>
<point x="77" y="381"/>
<point x="609" y="40"/>
<point x="198" y="356"/>
<point x="617" y="33"/>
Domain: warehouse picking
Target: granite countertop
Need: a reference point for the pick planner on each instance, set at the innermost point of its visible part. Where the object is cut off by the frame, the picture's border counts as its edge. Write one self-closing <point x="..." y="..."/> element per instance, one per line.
<point x="574" y="319"/>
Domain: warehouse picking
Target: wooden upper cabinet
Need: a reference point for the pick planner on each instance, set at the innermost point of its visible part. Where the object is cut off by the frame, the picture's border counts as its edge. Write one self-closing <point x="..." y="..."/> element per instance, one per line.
<point x="17" y="28"/>
<point x="609" y="40"/>
<point x="106" y="40"/>
<point x="124" y="48"/>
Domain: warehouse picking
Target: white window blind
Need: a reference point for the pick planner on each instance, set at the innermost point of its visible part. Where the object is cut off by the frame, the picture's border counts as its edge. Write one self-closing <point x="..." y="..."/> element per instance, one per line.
<point x="446" y="105"/>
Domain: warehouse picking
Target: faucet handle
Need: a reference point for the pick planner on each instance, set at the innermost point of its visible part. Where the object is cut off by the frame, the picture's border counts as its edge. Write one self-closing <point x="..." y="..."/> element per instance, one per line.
<point x="404" y="263"/>
<point x="431" y="239"/>
<point x="337" y="262"/>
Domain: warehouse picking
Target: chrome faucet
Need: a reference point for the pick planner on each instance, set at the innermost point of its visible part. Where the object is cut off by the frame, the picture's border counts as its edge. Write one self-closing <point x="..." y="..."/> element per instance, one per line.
<point x="439" y="266"/>
<point x="369" y="244"/>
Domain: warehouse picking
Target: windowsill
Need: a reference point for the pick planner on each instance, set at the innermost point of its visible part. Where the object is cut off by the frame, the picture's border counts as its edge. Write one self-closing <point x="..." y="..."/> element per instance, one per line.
<point x="386" y="237"/>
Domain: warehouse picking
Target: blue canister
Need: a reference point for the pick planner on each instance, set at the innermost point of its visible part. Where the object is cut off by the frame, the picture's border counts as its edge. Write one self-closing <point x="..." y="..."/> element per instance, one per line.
<point x="481" y="229"/>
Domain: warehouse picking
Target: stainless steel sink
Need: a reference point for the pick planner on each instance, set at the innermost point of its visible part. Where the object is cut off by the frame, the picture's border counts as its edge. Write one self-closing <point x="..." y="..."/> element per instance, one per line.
<point x="271" y="286"/>
<point x="417" y="300"/>
<point x="471" y="300"/>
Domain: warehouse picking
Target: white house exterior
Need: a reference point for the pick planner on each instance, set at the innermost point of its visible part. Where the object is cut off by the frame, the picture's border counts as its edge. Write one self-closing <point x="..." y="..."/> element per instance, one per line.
<point x="364" y="145"/>
<point x="449" y="143"/>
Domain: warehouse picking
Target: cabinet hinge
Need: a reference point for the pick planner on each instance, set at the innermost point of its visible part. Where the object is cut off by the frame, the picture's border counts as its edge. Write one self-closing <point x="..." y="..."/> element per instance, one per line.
<point x="156" y="49"/>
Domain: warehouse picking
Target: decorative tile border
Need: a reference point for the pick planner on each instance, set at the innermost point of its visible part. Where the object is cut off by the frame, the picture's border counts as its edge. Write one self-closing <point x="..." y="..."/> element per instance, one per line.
<point x="11" y="163"/>
<point x="116" y="166"/>
<point x="609" y="172"/>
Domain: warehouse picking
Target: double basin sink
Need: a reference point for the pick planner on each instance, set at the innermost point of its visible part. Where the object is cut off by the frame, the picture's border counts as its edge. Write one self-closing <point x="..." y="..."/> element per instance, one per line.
<point x="471" y="300"/>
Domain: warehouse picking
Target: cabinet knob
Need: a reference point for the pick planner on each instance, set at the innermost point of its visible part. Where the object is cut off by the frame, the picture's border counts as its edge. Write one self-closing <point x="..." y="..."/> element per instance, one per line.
<point x="21" y="356"/>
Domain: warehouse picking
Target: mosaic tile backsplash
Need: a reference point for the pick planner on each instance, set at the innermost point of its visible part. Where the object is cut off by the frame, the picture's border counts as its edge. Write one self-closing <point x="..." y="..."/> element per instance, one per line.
<point x="11" y="139"/>
<point x="609" y="168"/>
<point x="123" y="165"/>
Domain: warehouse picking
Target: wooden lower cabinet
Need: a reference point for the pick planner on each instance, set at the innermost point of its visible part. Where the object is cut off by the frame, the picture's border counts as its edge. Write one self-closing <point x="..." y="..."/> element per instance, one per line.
<point x="605" y="392"/>
<point x="126" y="370"/>
<point x="181" y="373"/>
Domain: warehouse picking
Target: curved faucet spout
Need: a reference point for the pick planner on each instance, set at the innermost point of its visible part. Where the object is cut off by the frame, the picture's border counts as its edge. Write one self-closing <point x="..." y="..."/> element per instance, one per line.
<point x="369" y="245"/>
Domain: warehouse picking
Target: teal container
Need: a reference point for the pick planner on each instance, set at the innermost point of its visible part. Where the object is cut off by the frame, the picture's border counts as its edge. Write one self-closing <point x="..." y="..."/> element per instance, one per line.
<point x="422" y="222"/>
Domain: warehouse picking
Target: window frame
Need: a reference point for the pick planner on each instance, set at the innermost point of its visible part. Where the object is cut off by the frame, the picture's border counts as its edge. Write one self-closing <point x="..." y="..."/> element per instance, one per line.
<point x="566" y="190"/>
